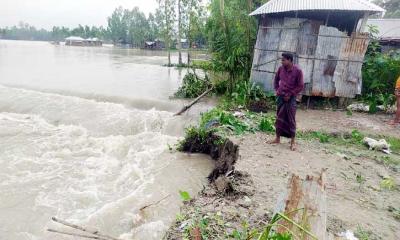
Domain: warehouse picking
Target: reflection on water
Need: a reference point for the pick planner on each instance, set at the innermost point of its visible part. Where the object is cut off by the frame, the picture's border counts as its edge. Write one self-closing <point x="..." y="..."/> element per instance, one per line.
<point x="84" y="135"/>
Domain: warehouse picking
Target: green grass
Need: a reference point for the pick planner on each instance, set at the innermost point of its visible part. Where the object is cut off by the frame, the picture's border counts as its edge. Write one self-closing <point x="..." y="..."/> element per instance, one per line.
<point x="394" y="143"/>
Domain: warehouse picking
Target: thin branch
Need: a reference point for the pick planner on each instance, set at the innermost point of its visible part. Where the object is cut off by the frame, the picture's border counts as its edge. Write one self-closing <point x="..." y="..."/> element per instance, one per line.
<point x="152" y="204"/>
<point x="77" y="235"/>
<point x="95" y="232"/>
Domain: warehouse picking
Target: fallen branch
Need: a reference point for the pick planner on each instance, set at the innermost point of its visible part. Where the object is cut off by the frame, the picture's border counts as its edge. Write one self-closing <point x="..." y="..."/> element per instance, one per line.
<point x="77" y="235"/>
<point x="185" y="108"/>
<point x="94" y="232"/>
<point x="152" y="204"/>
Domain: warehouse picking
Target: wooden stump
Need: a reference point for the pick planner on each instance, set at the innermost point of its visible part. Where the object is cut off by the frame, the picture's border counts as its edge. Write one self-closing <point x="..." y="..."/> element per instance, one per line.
<point x="305" y="203"/>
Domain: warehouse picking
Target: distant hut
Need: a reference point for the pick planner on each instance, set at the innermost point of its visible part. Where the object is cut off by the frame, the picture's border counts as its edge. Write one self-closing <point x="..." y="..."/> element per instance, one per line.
<point x="93" y="42"/>
<point x="323" y="35"/>
<point x="389" y="33"/>
<point x="155" y="45"/>
<point x="74" y="41"/>
<point x="78" y="41"/>
<point x="184" y="43"/>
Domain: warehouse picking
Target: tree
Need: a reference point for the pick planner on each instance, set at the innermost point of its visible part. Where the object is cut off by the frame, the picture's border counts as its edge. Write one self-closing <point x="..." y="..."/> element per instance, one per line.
<point x="194" y="19"/>
<point x="117" y="26"/>
<point x="137" y="27"/>
<point x="392" y="7"/>
<point x="153" y="31"/>
<point x="232" y="34"/>
<point x="167" y="13"/>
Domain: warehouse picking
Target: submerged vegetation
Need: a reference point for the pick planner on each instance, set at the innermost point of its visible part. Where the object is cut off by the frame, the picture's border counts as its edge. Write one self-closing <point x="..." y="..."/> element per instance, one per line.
<point x="192" y="86"/>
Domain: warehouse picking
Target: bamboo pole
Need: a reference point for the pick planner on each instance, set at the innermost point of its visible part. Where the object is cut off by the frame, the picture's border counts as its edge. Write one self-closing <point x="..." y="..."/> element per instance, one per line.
<point x="185" y="108"/>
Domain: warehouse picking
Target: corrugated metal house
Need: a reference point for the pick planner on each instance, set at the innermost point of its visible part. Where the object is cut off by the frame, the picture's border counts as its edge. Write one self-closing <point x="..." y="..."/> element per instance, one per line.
<point x="324" y="37"/>
<point x="389" y="33"/>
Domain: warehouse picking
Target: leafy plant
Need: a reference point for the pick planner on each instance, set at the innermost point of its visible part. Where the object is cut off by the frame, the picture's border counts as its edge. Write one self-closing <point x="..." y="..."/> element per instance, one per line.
<point x="225" y="120"/>
<point x="267" y="124"/>
<point x="269" y="234"/>
<point x="380" y="72"/>
<point x="185" y="196"/>
<point x="245" y="91"/>
<point x="232" y="33"/>
<point x="357" y="136"/>
<point x="192" y="86"/>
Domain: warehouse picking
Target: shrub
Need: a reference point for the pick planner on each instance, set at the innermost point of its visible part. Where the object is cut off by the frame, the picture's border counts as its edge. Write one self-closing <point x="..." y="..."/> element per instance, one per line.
<point x="380" y="72"/>
<point x="245" y="91"/>
<point x="225" y="120"/>
<point x="192" y="86"/>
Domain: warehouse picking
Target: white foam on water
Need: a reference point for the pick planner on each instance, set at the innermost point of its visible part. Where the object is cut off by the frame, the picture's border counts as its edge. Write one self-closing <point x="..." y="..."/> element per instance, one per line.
<point x="92" y="163"/>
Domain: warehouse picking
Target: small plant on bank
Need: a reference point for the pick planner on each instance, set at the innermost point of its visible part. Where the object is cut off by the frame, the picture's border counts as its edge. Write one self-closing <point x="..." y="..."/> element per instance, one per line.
<point x="185" y="196"/>
<point x="267" y="124"/>
<point x="363" y="234"/>
<point x="388" y="184"/>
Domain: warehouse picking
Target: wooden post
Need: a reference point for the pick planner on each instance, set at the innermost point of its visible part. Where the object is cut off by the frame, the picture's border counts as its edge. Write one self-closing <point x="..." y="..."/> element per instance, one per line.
<point x="327" y="18"/>
<point x="305" y="204"/>
<point x="364" y="22"/>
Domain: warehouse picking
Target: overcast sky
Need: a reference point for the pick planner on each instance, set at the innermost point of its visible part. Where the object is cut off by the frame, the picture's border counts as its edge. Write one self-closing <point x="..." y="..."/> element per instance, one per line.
<point x="70" y="13"/>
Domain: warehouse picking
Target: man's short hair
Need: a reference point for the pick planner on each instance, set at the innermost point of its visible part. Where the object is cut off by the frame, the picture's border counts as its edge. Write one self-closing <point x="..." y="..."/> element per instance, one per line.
<point x="288" y="56"/>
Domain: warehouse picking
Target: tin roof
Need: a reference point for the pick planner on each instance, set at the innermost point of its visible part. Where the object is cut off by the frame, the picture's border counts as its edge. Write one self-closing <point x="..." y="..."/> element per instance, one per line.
<point x="74" y="38"/>
<point x="388" y="28"/>
<point x="279" y="6"/>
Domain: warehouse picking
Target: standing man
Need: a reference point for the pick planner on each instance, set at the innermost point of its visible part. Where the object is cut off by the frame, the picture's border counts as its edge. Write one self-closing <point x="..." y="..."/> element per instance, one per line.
<point x="397" y="93"/>
<point x="288" y="84"/>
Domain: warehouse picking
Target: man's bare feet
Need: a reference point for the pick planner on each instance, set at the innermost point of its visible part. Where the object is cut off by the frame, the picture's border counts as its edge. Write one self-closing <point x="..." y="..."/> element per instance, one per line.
<point x="276" y="141"/>
<point x="293" y="147"/>
<point x="293" y="144"/>
<point x="394" y="122"/>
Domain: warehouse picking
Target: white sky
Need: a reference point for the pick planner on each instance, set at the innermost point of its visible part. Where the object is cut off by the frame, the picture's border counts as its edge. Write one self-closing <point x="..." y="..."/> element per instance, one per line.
<point x="69" y="13"/>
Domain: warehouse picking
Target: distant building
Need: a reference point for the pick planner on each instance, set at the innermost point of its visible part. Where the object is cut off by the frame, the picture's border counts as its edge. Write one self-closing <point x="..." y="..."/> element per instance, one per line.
<point x="184" y="43"/>
<point x="78" y="41"/>
<point x="389" y="33"/>
<point x="323" y="37"/>
<point x="156" y="44"/>
<point x="93" y="42"/>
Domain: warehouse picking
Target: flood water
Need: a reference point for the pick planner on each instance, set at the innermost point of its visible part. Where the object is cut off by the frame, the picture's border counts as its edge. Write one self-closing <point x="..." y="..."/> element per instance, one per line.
<point x="84" y="136"/>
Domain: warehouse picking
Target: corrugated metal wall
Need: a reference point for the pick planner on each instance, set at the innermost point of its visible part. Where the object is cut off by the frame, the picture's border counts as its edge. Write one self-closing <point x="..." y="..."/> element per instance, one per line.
<point x="331" y="61"/>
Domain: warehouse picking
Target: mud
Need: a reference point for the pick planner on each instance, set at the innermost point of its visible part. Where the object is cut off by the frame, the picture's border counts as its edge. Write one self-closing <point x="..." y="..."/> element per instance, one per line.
<point x="224" y="151"/>
<point x="356" y="201"/>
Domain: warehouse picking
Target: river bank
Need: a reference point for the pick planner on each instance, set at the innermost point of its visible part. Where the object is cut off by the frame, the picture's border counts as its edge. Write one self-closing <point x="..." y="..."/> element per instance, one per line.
<point x="357" y="200"/>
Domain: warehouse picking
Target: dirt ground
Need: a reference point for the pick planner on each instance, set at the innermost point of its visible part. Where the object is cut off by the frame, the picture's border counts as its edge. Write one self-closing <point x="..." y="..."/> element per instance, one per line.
<point x="354" y="203"/>
<point x="332" y="121"/>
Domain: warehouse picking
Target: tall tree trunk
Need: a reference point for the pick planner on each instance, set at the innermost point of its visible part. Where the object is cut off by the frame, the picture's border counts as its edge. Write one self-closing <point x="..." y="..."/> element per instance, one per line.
<point x="227" y="40"/>
<point x="179" y="31"/>
<point x="167" y="38"/>
<point x="189" y="36"/>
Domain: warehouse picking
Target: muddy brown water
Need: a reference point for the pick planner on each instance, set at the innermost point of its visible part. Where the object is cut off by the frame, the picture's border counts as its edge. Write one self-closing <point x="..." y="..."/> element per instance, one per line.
<point x="84" y="136"/>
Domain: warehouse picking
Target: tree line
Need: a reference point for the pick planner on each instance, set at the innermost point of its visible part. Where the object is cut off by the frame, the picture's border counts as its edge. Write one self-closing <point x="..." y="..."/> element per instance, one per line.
<point x="128" y="26"/>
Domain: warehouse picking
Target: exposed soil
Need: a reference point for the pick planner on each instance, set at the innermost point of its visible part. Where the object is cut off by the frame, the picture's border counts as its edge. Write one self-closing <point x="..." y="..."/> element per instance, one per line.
<point x="262" y="171"/>
<point x="332" y="121"/>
